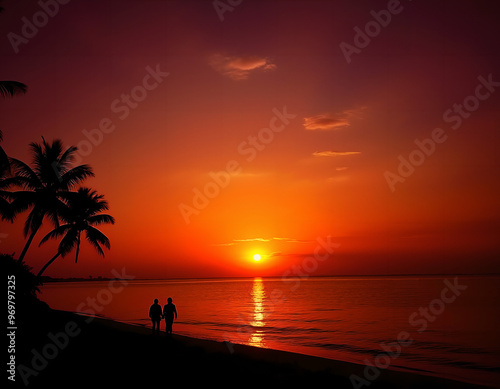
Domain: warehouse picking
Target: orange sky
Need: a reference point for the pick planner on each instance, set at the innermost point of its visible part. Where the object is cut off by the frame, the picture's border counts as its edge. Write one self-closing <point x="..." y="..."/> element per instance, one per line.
<point x="268" y="94"/>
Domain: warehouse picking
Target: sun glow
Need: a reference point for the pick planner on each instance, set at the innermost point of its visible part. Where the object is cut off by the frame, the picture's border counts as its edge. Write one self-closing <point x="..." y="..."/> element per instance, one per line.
<point x="256" y="257"/>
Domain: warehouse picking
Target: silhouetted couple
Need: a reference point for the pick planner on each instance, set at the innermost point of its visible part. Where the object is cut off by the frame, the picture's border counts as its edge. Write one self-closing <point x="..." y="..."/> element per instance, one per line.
<point x="168" y="313"/>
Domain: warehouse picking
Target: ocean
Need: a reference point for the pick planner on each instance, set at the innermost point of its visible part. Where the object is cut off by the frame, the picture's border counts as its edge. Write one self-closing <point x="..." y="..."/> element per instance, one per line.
<point x="446" y="326"/>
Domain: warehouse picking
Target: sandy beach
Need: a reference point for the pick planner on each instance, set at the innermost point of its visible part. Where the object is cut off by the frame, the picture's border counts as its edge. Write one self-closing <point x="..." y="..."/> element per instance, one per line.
<point x="61" y="349"/>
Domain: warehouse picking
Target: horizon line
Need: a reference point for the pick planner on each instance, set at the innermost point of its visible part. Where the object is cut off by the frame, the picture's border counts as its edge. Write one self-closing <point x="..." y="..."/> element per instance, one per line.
<point x="99" y="278"/>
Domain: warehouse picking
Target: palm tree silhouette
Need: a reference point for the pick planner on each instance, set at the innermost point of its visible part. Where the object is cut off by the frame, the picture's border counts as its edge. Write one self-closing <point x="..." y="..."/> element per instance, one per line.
<point x="50" y="177"/>
<point x="81" y="213"/>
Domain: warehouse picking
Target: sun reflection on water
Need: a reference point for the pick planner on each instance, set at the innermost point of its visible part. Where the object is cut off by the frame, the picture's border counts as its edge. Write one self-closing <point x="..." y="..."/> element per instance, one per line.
<point x="258" y="297"/>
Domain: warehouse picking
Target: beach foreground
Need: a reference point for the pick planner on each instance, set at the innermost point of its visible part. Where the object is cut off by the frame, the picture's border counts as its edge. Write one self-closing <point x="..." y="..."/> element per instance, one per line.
<point x="64" y="349"/>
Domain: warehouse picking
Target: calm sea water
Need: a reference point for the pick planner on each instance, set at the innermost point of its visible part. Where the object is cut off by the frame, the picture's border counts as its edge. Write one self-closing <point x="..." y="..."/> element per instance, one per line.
<point x="453" y="323"/>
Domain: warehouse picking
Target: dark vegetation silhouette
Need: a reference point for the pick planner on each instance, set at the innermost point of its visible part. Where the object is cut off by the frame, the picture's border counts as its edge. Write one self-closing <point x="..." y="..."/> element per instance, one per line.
<point x="26" y="284"/>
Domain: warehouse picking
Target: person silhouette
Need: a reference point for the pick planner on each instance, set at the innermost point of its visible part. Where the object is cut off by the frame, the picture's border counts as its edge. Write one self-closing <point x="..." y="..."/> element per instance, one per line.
<point x="169" y="311"/>
<point x="155" y="315"/>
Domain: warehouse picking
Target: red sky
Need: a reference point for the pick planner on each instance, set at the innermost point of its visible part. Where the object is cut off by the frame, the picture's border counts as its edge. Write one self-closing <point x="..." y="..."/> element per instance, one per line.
<point x="344" y="116"/>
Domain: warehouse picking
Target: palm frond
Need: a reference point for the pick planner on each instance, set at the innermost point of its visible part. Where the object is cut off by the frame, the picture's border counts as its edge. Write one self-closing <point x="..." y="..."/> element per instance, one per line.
<point x="53" y="213"/>
<point x="68" y="242"/>
<point x="28" y="178"/>
<point x="100" y="219"/>
<point x="22" y="200"/>
<point x="52" y="156"/>
<point x="97" y="238"/>
<point x="46" y="161"/>
<point x="36" y="150"/>
<point x="12" y="88"/>
<point x="75" y="176"/>
<point x="4" y="163"/>
<point x="7" y="183"/>
<point x="34" y="220"/>
<point x="68" y="156"/>
<point x="6" y="211"/>
<point x="56" y="233"/>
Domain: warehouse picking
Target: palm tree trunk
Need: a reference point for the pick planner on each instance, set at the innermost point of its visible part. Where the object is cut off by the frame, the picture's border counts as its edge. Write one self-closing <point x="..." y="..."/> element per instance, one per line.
<point x="78" y="246"/>
<point x="48" y="264"/>
<point x="27" y="245"/>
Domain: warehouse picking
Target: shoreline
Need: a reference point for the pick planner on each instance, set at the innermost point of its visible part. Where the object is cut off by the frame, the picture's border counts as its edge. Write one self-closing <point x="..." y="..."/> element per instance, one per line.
<point x="98" y="350"/>
<point x="311" y="363"/>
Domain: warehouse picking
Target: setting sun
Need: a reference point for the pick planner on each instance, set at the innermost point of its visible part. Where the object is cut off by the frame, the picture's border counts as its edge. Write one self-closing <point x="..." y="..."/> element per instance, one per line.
<point x="257" y="257"/>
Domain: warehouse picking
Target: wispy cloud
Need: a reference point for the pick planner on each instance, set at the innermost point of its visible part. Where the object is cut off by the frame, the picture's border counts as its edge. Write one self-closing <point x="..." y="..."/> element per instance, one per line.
<point x="224" y="244"/>
<point x="252" y="240"/>
<point x="330" y="153"/>
<point x="239" y="68"/>
<point x="332" y="120"/>
<point x="293" y="240"/>
<point x="325" y="122"/>
<point x="239" y="241"/>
